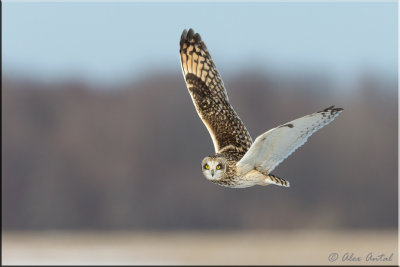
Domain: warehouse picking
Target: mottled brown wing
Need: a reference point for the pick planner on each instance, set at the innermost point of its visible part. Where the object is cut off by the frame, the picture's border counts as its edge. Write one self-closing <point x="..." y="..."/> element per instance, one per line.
<point x="209" y="96"/>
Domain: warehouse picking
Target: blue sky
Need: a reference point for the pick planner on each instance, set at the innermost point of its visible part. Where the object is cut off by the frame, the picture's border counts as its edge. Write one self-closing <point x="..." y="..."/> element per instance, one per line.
<point x="117" y="42"/>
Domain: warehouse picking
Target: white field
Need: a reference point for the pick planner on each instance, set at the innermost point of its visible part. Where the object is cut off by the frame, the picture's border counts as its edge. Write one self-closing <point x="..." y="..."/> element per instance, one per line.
<point x="207" y="247"/>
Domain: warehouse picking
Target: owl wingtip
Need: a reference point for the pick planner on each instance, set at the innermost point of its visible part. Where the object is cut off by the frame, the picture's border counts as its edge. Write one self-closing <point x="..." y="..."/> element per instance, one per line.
<point x="190" y="34"/>
<point x="183" y="37"/>
<point x="184" y="33"/>
<point x="332" y="109"/>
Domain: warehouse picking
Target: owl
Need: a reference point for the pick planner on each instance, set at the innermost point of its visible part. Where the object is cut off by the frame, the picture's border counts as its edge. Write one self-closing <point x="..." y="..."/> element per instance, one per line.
<point x="238" y="162"/>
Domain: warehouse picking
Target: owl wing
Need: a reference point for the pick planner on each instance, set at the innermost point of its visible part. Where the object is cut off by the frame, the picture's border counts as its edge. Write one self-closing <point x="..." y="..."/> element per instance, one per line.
<point x="275" y="145"/>
<point x="209" y="95"/>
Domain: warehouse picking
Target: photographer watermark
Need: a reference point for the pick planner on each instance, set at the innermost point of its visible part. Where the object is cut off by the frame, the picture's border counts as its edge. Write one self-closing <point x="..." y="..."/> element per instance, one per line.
<point x="353" y="257"/>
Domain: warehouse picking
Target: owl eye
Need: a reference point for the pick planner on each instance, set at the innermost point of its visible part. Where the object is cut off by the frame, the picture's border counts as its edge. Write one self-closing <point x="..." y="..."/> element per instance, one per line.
<point x="219" y="166"/>
<point x="207" y="167"/>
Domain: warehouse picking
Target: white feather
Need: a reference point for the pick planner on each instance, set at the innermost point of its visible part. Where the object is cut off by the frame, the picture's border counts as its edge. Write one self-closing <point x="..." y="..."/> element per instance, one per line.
<point x="275" y="145"/>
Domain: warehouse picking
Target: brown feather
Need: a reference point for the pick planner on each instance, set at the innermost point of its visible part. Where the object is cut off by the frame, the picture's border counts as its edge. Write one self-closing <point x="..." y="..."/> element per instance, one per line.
<point x="209" y="96"/>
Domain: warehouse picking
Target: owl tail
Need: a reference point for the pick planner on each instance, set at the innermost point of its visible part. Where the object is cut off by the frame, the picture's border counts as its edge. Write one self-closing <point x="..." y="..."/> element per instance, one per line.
<point x="272" y="179"/>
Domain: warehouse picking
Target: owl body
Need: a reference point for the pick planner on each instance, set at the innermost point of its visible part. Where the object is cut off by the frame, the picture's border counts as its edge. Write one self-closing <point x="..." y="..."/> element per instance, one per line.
<point x="238" y="161"/>
<point x="229" y="175"/>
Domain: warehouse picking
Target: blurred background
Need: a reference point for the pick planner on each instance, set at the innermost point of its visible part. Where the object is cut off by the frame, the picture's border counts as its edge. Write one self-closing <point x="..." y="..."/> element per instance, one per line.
<point x="101" y="144"/>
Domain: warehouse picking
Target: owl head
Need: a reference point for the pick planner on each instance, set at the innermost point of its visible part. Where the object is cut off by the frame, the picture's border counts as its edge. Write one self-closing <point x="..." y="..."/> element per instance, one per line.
<point x="213" y="167"/>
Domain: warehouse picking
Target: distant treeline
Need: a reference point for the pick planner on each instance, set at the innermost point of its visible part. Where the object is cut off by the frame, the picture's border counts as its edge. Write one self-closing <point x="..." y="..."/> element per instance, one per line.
<point x="75" y="157"/>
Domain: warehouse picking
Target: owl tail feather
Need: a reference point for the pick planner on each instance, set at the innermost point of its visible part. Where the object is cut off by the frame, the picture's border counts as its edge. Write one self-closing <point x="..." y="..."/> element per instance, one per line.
<point x="272" y="179"/>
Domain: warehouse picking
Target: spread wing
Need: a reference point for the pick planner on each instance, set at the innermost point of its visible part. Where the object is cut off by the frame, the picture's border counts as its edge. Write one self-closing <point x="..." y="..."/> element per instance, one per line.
<point x="272" y="147"/>
<point x="209" y="95"/>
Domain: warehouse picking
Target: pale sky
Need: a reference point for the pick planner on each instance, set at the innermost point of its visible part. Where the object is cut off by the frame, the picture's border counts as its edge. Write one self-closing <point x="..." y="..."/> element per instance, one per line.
<point x="105" y="42"/>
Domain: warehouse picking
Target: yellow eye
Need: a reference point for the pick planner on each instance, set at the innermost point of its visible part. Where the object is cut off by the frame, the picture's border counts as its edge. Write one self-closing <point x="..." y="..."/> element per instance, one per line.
<point x="219" y="166"/>
<point x="206" y="167"/>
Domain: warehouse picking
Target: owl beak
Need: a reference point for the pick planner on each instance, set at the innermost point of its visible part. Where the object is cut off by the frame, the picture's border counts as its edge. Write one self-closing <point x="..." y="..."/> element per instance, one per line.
<point x="212" y="172"/>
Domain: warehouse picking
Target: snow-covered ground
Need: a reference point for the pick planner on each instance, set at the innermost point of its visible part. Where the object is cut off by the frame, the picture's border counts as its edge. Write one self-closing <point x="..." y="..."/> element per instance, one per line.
<point x="201" y="247"/>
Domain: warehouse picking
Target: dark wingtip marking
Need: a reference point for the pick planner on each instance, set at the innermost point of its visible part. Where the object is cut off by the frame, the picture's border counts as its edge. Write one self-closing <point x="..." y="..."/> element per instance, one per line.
<point x="197" y="37"/>
<point x="187" y="36"/>
<point x="183" y="37"/>
<point x="184" y="33"/>
<point x="190" y="34"/>
<point x="332" y="109"/>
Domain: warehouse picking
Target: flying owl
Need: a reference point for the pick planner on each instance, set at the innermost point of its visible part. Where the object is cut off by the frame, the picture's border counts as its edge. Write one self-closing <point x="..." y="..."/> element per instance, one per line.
<point x="238" y="162"/>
